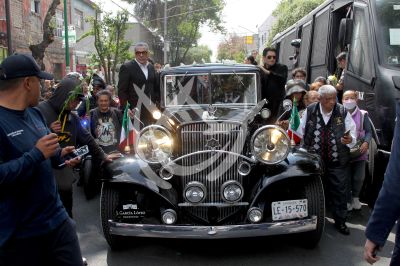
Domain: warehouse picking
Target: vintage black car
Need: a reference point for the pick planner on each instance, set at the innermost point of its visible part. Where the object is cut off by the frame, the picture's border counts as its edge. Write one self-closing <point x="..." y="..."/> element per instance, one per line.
<point x="212" y="167"/>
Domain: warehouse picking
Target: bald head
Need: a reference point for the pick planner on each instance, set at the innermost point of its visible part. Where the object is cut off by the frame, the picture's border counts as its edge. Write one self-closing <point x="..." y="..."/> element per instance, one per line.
<point x="350" y="94"/>
<point x="313" y="97"/>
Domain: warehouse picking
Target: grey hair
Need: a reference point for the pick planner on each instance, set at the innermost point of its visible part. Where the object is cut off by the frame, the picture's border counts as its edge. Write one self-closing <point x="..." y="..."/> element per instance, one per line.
<point x="341" y="56"/>
<point x="141" y="44"/>
<point x="325" y="90"/>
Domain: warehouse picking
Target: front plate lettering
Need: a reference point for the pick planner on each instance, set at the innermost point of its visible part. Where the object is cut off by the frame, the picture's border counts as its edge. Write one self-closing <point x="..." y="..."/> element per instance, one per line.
<point x="289" y="209"/>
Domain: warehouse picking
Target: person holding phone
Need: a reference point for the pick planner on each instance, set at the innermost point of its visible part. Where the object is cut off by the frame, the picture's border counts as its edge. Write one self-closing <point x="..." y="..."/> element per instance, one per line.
<point x="70" y="132"/>
<point x="34" y="226"/>
<point x="329" y="130"/>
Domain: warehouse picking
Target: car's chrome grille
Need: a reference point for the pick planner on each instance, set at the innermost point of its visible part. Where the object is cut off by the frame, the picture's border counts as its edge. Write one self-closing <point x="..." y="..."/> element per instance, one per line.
<point x="212" y="135"/>
<point x="212" y="169"/>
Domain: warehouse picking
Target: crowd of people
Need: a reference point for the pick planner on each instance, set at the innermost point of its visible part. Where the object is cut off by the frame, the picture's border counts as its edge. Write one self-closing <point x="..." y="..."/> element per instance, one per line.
<point x="38" y="130"/>
<point x="326" y="127"/>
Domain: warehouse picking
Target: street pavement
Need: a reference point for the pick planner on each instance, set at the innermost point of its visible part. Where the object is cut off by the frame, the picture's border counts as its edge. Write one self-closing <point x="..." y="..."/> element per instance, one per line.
<point x="334" y="248"/>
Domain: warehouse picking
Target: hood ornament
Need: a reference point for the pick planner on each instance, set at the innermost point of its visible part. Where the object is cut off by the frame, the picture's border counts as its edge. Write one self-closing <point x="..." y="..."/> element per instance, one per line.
<point x="211" y="109"/>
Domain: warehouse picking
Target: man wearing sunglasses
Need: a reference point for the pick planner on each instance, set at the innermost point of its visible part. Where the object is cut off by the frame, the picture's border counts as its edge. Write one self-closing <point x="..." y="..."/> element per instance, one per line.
<point x="139" y="74"/>
<point x="273" y="80"/>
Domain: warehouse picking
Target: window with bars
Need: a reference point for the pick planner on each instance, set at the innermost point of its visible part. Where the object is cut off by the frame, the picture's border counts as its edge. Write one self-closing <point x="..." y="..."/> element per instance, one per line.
<point x="59" y="23"/>
<point x="79" y="19"/>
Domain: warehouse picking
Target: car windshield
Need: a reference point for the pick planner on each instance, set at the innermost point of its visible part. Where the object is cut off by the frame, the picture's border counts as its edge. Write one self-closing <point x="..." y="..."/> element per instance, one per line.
<point x="214" y="88"/>
<point x="388" y="16"/>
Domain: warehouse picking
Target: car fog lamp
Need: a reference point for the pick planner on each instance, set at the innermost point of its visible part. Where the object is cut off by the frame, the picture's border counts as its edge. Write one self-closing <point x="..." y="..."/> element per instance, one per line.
<point x="166" y="173"/>
<point x="154" y="144"/>
<point x="156" y="115"/>
<point x="232" y="191"/>
<point x="244" y="168"/>
<point x="195" y="192"/>
<point x="255" y="215"/>
<point x="270" y="144"/>
<point x="168" y="216"/>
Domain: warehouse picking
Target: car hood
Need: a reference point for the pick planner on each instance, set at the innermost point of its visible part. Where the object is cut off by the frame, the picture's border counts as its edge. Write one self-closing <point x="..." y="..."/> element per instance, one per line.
<point x="199" y="113"/>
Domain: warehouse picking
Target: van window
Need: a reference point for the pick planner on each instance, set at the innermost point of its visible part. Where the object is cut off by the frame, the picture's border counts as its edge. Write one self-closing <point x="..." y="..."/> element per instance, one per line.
<point x="287" y="49"/>
<point x="388" y="31"/>
<point x="360" y="62"/>
<point x="305" y="44"/>
<point x="320" y="42"/>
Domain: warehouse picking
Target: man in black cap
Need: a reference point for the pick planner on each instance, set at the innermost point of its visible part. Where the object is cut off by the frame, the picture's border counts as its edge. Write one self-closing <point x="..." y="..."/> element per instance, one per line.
<point x="34" y="227"/>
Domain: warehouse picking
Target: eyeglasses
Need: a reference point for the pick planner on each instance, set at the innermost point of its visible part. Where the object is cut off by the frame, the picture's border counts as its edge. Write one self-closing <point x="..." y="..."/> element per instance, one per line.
<point x="271" y="57"/>
<point x="141" y="53"/>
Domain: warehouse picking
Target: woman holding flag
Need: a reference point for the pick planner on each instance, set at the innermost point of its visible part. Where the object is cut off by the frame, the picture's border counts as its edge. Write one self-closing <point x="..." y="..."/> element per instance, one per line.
<point x="295" y="91"/>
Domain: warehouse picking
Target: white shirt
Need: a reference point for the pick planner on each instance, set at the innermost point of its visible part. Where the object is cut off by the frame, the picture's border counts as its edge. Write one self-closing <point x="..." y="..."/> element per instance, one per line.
<point x="144" y="68"/>
<point x="348" y="123"/>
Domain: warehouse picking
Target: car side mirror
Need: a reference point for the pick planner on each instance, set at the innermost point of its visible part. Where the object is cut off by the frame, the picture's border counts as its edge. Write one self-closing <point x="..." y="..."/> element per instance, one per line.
<point x="296" y="43"/>
<point x="345" y="32"/>
<point x="287" y="105"/>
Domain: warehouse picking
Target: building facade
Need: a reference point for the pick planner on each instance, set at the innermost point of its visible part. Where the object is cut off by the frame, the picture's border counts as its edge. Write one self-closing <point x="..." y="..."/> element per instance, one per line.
<point x="264" y="31"/>
<point x="27" y="18"/>
<point x="81" y="10"/>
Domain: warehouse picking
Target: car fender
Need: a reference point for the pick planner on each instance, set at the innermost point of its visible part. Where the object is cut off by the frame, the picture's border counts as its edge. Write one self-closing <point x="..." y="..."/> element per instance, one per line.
<point x="133" y="171"/>
<point x="297" y="165"/>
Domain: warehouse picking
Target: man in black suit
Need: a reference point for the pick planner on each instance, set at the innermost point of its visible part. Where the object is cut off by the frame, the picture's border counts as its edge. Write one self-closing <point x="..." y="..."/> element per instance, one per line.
<point x="139" y="74"/>
<point x="273" y="80"/>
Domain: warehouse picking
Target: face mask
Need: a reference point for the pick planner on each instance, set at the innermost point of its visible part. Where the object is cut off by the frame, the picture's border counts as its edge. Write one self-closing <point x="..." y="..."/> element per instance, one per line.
<point x="349" y="104"/>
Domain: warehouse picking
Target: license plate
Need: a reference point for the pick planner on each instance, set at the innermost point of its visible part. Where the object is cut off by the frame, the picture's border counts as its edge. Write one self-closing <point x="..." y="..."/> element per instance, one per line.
<point x="289" y="209"/>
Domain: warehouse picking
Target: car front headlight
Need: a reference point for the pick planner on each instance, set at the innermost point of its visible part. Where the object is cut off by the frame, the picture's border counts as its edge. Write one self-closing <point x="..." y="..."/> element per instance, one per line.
<point x="154" y="144"/>
<point x="270" y="144"/>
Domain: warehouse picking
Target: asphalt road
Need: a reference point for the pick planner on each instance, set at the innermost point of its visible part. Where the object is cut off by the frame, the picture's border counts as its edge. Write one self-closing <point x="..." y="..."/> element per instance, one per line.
<point x="334" y="248"/>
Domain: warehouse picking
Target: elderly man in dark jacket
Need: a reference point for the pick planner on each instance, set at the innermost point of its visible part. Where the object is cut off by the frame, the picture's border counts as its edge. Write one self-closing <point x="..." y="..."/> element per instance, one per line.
<point x="136" y="75"/>
<point x="273" y="80"/>
<point x="325" y="126"/>
<point x="70" y="131"/>
<point x="387" y="207"/>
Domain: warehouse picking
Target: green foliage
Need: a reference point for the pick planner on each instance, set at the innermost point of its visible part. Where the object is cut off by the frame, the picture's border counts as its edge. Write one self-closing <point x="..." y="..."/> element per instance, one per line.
<point x="233" y="48"/>
<point x="184" y="18"/>
<point x="71" y="96"/>
<point x="198" y="54"/>
<point x="110" y="44"/>
<point x="289" y="12"/>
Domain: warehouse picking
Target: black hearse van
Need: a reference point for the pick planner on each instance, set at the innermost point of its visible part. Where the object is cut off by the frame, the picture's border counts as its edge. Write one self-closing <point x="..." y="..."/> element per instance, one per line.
<point x="370" y="31"/>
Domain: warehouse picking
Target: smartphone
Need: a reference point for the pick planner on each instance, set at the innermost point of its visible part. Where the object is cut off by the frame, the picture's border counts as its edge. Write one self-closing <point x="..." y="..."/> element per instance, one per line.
<point x="347" y="133"/>
<point x="76" y="153"/>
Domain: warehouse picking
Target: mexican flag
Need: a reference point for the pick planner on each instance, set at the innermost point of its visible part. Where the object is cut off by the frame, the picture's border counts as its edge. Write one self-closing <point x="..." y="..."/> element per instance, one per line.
<point x="294" y="130"/>
<point x="128" y="133"/>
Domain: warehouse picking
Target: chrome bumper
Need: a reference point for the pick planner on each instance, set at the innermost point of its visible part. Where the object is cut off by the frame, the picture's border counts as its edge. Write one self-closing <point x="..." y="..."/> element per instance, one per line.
<point x="210" y="232"/>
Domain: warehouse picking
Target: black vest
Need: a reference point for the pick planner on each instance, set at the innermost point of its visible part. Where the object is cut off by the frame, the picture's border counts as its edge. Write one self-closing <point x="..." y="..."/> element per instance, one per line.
<point x="325" y="139"/>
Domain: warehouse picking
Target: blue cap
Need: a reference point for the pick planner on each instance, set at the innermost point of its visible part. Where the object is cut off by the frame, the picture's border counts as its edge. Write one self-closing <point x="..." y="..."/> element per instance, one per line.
<point x="21" y="65"/>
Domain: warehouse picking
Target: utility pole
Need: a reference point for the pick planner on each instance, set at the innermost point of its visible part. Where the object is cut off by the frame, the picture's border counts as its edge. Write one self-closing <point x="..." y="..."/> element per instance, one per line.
<point x="67" y="67"/>
<point x="8" y="22"/>
<point x="165" y="33"/>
